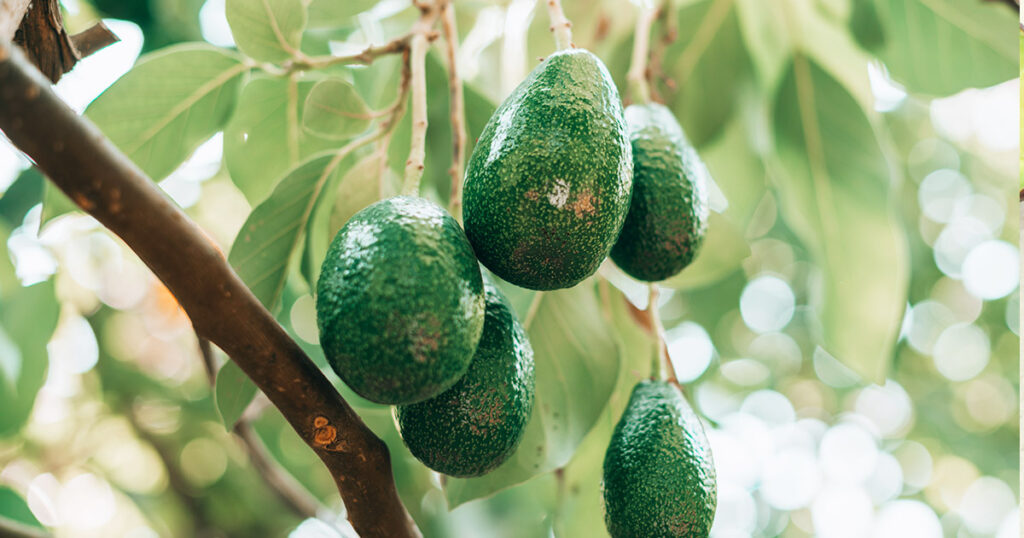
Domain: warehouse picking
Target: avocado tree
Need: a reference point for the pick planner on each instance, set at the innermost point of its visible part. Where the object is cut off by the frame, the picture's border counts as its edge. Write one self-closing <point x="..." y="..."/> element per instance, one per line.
<point x="511" y="268"/>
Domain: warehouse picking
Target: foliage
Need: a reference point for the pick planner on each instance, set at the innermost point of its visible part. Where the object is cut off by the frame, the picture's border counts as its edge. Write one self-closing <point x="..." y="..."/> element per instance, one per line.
<point x="821" y="183"/>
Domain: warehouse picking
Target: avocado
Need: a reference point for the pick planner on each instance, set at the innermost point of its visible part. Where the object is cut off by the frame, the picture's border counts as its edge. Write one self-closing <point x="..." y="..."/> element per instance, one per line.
<point x="473" y="427"/>
<point x="400" y="301"/>
<point x="668" y="216"/>
<point x="548" y="184"/>
<point x="659" y="477"/>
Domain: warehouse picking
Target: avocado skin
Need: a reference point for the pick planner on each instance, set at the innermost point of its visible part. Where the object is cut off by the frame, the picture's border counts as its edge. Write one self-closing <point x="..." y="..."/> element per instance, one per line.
<point x="473" y="427"/>
<point x="548" y="184"/>
<point x="668" y="216"/>
<point x="659" y="477"/>
<point x="400" y="301"/>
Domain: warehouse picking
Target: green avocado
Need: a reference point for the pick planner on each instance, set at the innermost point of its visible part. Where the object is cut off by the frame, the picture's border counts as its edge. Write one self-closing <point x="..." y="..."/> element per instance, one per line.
<point x="668" y="216"/>
<point x="548" y="184"/>
<point x="400" y="301"/>
<point x="659" y="478"/>
<point x="473" y="427"/>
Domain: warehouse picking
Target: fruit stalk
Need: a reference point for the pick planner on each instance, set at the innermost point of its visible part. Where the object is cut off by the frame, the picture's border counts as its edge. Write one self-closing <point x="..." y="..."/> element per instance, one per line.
<point x="457" y="110"/>
<point x="560" y="25"/>
<point x="639" y="90"/>
<point x="417" y="65"/>
<point x="662" y="357"/>
<point x="110" y="187"/>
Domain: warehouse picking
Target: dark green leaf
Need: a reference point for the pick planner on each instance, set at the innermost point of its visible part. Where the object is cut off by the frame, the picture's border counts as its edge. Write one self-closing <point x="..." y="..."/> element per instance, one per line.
<point x="22" y="195"/>
<point x="168" y="104"/>
<point x="866" y="26"/>
<point x="14" y="508"/>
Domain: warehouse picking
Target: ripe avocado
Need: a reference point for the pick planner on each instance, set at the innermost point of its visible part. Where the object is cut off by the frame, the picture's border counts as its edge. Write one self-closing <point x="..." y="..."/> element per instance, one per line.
<point x="668" y="216"/>
<point x="659" y="478"/>
<point x="473" y="427"/>
<point x="400" y="301"/>
<point x="548" y="184"/>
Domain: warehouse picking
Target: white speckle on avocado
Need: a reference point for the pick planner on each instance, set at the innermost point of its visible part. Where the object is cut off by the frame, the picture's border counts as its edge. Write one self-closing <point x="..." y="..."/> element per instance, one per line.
<point x="559" y="195"/>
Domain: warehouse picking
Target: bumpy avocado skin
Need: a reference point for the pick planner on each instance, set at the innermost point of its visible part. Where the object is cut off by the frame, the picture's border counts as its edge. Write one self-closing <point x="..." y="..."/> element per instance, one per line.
<point x="548" y="184"/>
<point x="473" y="427"/>
<point x="400" y="301"/>
<point x="668" y="216"/>
<point x="659" y="477"/>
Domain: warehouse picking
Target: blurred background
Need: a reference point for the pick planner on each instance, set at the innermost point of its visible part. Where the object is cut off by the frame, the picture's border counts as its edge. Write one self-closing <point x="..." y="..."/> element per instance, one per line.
<point x="114" y="431"/>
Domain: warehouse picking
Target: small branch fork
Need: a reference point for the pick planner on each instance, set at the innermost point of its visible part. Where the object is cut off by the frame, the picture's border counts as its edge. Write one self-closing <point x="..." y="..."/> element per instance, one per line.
<point x="560" y="25"/>
<point x="41" y="34"/>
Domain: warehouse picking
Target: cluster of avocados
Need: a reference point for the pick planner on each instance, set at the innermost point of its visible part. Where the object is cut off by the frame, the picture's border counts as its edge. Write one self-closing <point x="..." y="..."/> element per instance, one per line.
<point x="560" y="179"/>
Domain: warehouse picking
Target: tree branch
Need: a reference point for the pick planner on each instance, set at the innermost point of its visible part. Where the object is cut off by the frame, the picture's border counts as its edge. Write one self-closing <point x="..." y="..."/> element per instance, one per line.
<point x="283" y="485"/>
<point x="421" y="37"/>
<point x="639" y="90"/>
<point x="457" y="107"/>
<point x="101" y="180"/>
<point x="560" y="25"/>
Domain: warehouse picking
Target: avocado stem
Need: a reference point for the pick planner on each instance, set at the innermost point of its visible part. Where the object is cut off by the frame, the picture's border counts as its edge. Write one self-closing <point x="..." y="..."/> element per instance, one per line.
<point x="457" y="110"/>
<point x="659" y="338"/>
<point x="639" y="72"/>
<point x="417" y="147"/>
<point x="560" y="25"/>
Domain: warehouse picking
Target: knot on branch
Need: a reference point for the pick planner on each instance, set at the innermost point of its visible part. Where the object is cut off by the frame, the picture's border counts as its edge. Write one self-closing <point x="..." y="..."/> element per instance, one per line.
<point x="48" y="45"/>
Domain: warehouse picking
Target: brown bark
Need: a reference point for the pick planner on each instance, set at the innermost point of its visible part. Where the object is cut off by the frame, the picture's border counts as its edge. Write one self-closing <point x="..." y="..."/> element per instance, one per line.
<point x="101" y="180"/>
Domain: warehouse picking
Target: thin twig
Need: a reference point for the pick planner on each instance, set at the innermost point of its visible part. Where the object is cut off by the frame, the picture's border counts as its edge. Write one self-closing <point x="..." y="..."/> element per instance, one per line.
<point x="417" y="65"/>
<point x="638" y="74"/>
<point x="366" y="57"/>
<point x="560" y="25"/>
<point x="659" y="335"/>
<point x="457" y="107"/>
<point x="288" y="490"/>
<point x="209" y="363"/>
<point x="106" y="184"/>
<point x="93" y="39"/>
<point x="669" y="32"/>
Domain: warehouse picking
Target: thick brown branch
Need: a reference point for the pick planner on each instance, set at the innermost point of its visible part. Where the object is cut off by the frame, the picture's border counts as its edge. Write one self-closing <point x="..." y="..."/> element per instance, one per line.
<point x="107" y="185"/>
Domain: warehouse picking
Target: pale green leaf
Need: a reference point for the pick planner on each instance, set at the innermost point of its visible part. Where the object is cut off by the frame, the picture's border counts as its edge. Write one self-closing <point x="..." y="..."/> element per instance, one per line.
<point x="23" y="350"/>
<point x="168" y="104"/>
<point x="833" y="181"/>
<point x="768" y="40"/>
<point x="55" y="204"/>
<point x="265" y="137"/>
<point x="577" y="365"/>
<point x="940" y="47"/>
<point x="264" y="246"/>
<point x="332" y="13"/>
<point x="268" y="30"/>
<point x="335" y="110"/>
<point x="709" y="64"/>
<point x="233" y="391"/>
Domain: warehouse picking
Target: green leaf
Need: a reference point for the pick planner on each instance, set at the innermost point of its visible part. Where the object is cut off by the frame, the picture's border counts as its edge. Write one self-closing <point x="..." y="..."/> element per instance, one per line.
<point x="360" y="187"/>
<point x="265" y="137"/>
<point x="577" y="364"/>
<point x="709" y="64"/>
<point x="267" y="30"/>
<point x="232" y="393"/>
<point x="723" y="252"/>
<point x="168" y="104"/>
<point x="335" y="110"/>
<point x="265" y="245"/>
<point x="20" y="196"/>
<point x="833" y="182"/>
<point x="55" y="204"/>
<point x="940" y="47"/>
<point x="23" y="339"/>
<point x="768" y="40"/>
<point x="14" y="508"/>
<point x="582" y="509"/>
<point x="866" y="26"/>
<point x="331" y="13"/>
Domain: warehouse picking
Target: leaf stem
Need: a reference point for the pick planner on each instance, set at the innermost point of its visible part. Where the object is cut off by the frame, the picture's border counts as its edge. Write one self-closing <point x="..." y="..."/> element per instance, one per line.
<point x="659" y="339"/>
<point x="457" y="107"/>
<point x="560" y="25"/>
<point x="639" y="73"/>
